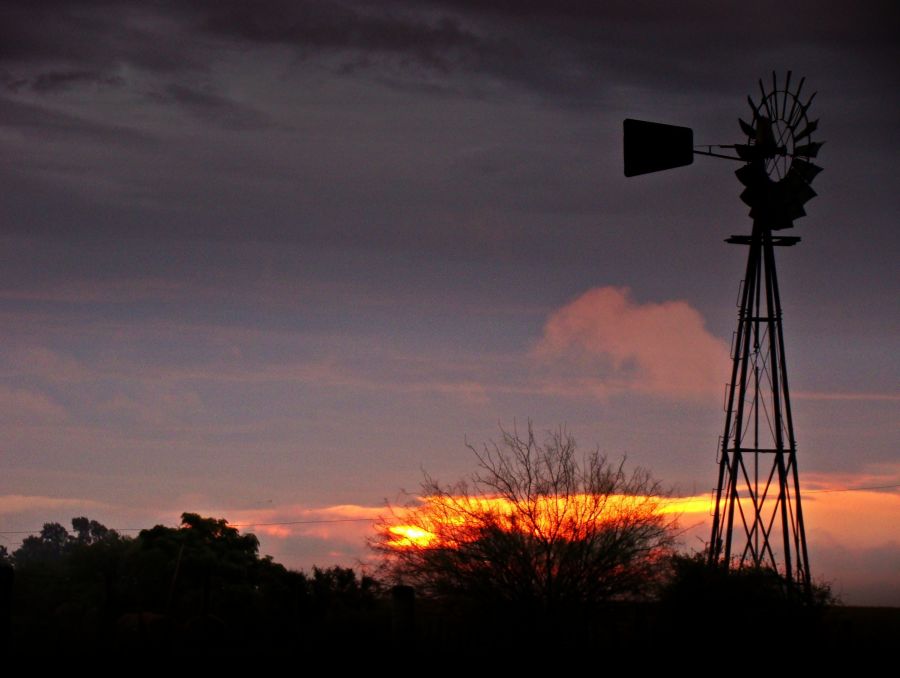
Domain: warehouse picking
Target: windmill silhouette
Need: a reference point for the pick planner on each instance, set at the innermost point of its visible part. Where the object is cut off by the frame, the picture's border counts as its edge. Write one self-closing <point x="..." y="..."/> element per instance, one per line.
<point x="757" y="515"/>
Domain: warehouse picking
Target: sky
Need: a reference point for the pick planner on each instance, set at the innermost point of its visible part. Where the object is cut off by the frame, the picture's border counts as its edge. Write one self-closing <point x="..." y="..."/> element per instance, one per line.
<point x="272" y="261"/>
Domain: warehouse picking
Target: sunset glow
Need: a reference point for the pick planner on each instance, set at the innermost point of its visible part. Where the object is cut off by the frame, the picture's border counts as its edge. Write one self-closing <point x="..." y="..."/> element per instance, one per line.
<point x="439" y="517"/>
<point x="443" y="520"/>
<point x="409" y="535"/>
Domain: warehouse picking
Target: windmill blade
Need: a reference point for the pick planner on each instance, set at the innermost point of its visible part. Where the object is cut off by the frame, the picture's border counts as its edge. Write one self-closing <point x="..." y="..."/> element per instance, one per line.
<point x="749" y="174"/>
<point x="765" y="135"/>
<point x="796" y="211"/>
<point x="799" y="88"/>
<point x="753" y="107"/>
<point x="781" y="222"/>
<point x="746" y="152"/>
<point x="809" y="129"/>
<point x="804" y="107"/>
<point x="752" y="196"/>
<point x="747" y="128"/>
<point x="810" y="150"/>
<point x="798" y="191"/>
<point x="795" y="103"/>
<point x="765" y="100"/>
<point x="787" y="90"/>
<point x="807" y="171"/>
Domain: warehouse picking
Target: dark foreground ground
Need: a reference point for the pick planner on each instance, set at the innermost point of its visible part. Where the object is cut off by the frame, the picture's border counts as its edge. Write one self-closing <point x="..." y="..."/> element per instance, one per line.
<point x="430" y="629"/>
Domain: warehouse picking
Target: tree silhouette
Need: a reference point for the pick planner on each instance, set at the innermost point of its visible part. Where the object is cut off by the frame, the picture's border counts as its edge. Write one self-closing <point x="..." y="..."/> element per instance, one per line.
<point x="50" y="545"/>
<point x="536" y="526"/>
<point x="696" y="590"/>
<point x="190" y="589"/>
<point x="89" y="532"/>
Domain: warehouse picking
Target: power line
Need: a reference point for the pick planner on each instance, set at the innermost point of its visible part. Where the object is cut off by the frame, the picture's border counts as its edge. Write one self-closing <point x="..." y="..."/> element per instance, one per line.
<point x="854" y="489"/>
<point x="305" y="522"/>
<point x="682" y="500"/>
<point x="290" y="522"/>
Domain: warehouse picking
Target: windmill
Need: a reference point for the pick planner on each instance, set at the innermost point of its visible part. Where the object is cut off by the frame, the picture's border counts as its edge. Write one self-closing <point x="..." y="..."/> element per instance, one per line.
<point x="757" y="515"/>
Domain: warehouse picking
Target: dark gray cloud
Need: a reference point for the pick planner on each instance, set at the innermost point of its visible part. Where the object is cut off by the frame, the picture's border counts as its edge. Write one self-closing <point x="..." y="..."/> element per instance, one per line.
<point x="572" y="50"/>
<point x="171" y="39"/>
<point x="498" y="130"/>
<point x="338" y="158"/>
<point x="434" y="39"/>
<point x="211" y="107"/>
<point x="556" y="47"/>
<point x="39" y="123"/>
<point x="97" y="35"/>
<point x="60" y="80"/>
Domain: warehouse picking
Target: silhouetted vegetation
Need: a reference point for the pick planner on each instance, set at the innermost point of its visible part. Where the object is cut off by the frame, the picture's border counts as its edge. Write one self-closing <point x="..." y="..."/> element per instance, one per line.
<point x="203" y="589"/>
<point x="694" y="582"/>
<point x="695" y="588"/>
<point x="540" y="537"/>
<point x="188" y="589"/>
<point x="697" y="594"/>
<point x="538" y="526"/>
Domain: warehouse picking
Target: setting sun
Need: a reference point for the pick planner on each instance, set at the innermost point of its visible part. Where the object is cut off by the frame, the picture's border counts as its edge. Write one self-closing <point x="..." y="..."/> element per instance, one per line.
<point x="440" y="520"/>
<point x="408" y="535"/>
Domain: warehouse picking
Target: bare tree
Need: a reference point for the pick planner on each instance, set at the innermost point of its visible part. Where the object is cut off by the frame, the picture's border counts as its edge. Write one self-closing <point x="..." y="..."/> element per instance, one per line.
<point x="537" y="524"/>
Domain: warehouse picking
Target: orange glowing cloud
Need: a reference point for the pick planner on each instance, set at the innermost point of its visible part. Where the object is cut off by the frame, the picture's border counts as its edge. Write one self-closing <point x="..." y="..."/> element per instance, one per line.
<point x="340" y="522"/>
<point x="854" y="519"/>
<point x="660" y="349"/>
<point x="344" y="521"/>
<point x="21" y="503"/>
<point x="445" y="519"/>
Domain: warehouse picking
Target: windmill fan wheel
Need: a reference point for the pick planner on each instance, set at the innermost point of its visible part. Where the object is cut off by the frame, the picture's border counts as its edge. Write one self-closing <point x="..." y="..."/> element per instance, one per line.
<point x="778" y="154"/>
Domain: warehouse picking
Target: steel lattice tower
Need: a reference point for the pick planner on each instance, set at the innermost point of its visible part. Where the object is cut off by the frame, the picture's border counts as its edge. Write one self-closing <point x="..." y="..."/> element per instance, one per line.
<point x="758" y="516"/>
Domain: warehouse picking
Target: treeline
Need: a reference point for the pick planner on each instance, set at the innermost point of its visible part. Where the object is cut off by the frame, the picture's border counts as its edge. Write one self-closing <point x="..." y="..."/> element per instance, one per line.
<point x="202" y="589"/>
<point x="190" y="589"/>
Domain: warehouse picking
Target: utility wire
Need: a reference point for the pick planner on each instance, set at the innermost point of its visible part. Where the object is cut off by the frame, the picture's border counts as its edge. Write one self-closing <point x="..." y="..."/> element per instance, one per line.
<point x="306" y="522"/>
<point x="291" y="522"/>
<point x="854" y="489"/>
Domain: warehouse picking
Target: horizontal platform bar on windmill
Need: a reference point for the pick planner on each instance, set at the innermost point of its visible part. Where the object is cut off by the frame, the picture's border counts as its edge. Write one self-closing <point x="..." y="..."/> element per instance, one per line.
<point x="761" y="450"/>
<point x="777" y="240"/>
